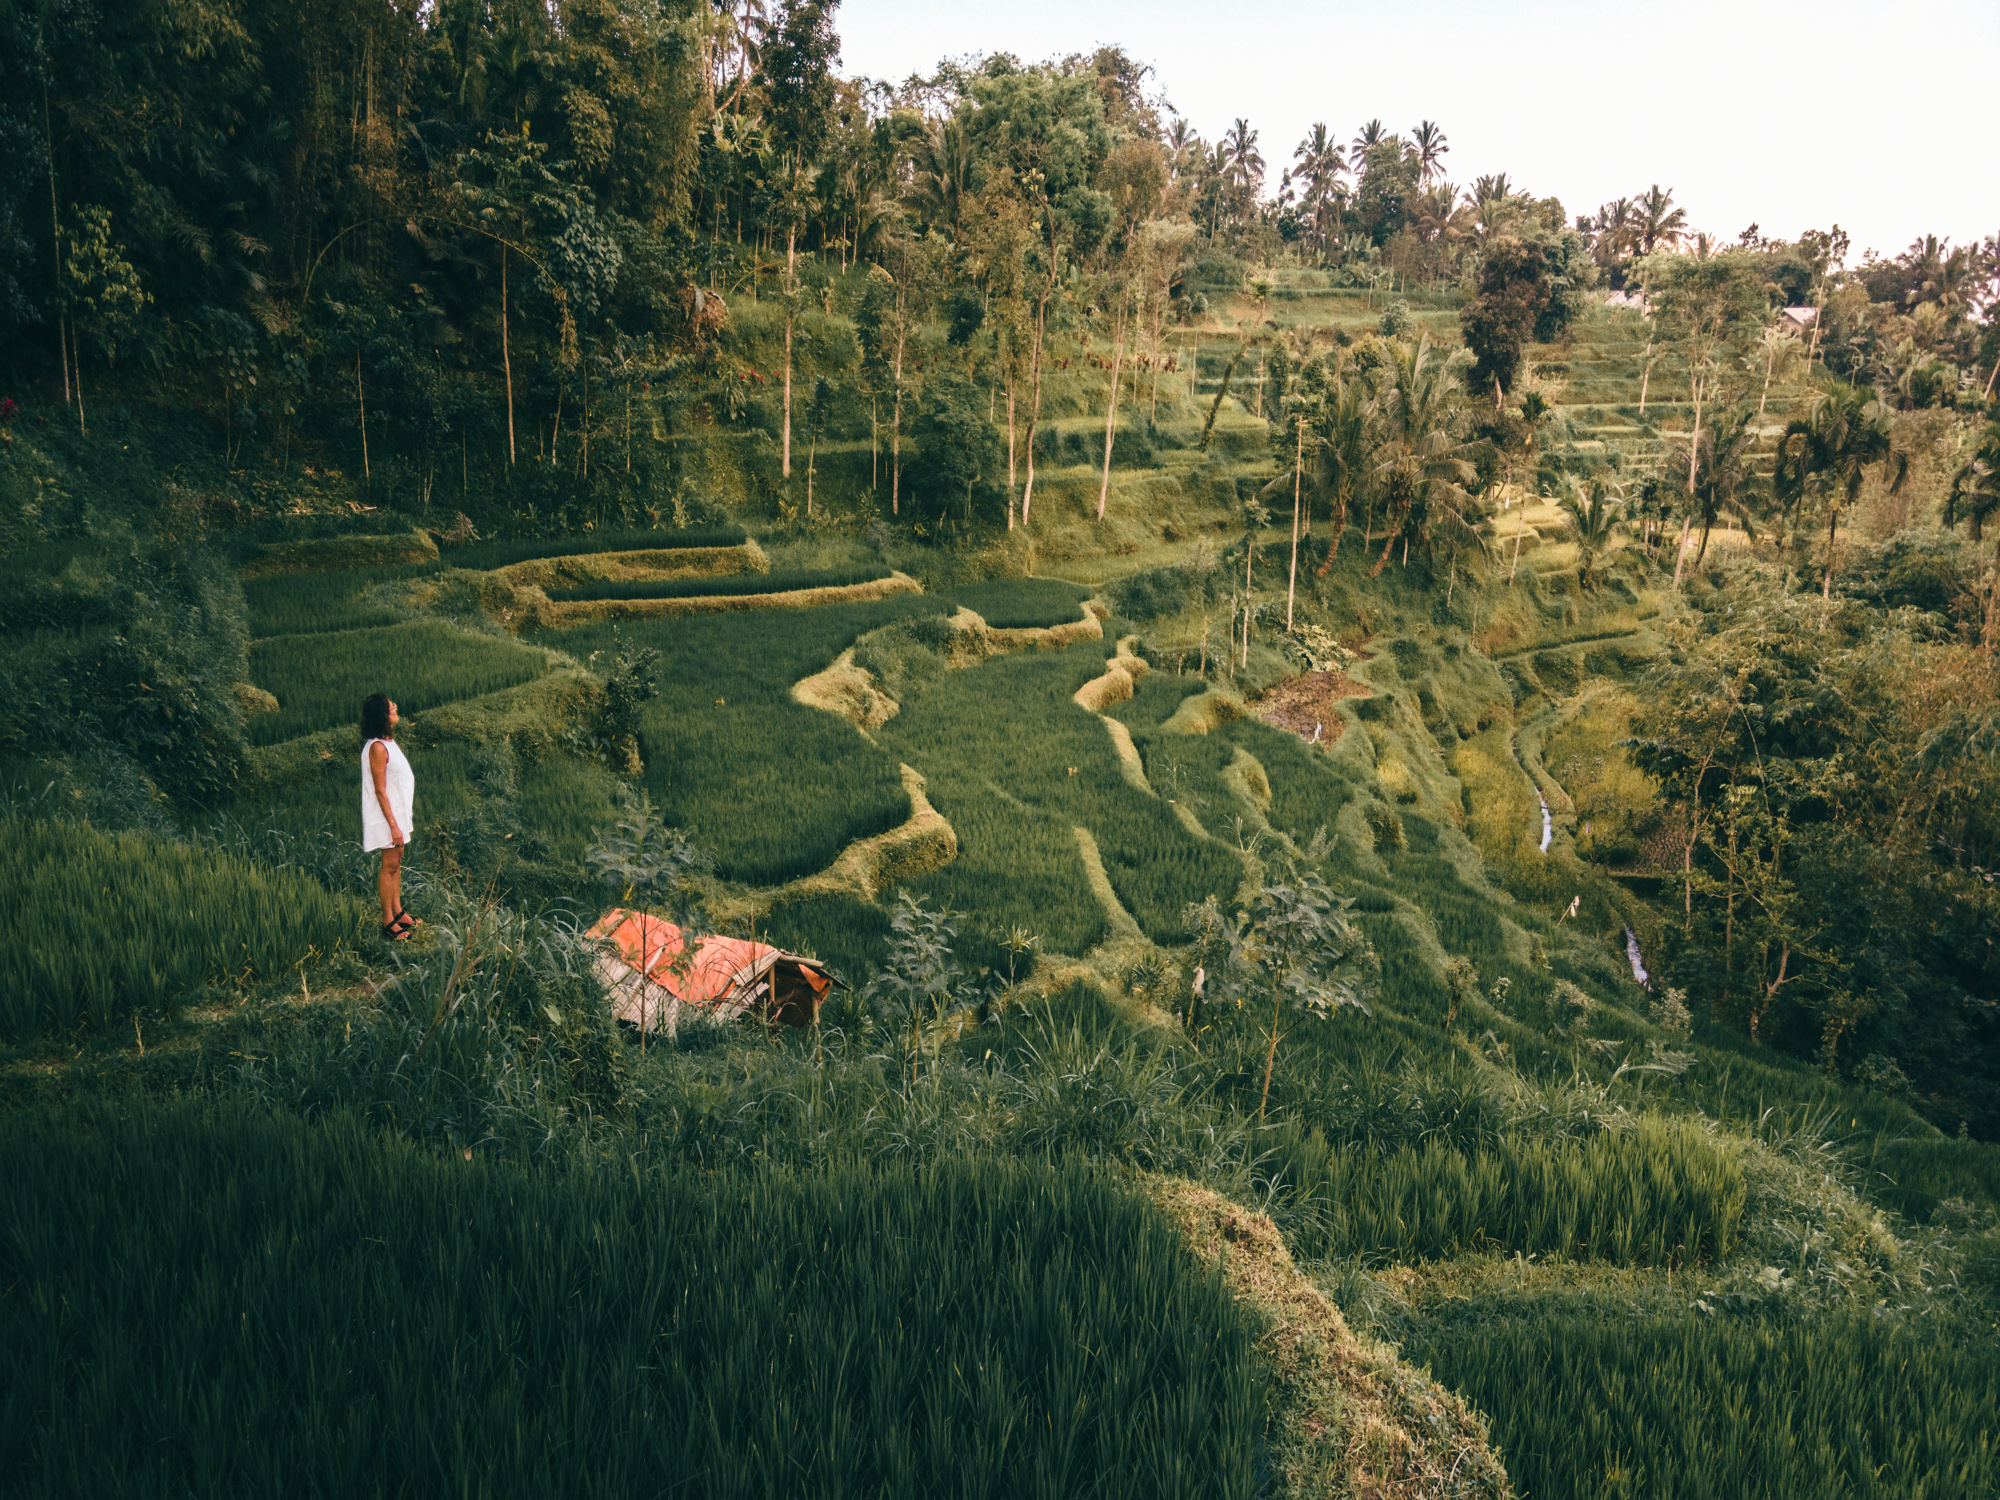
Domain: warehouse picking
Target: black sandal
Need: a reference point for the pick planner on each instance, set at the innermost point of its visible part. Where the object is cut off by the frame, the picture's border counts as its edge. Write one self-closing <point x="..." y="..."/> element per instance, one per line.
<point x="392" y="933"/>
<point x="404" y="916"/>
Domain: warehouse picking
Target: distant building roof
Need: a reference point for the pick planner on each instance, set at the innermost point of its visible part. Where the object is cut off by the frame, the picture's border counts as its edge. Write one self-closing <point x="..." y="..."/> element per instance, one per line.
<point x="1625" y="299"/>
<point x="1805" y="317"/>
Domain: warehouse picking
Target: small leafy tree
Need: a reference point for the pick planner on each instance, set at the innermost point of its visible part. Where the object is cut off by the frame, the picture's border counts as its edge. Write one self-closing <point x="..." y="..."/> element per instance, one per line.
<point x="921" y="982"/>
<point x="610" y="730"/>
<point x="101" y="291"/>
<point x="1299" y="946"/>
<point x="957" y="444"/>
<point x="1310" y="954"/>
<point x="651" y="865"/>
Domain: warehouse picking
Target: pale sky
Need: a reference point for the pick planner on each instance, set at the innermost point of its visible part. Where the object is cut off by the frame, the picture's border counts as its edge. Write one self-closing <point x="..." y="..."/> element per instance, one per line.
<point x="1881" y="117"/>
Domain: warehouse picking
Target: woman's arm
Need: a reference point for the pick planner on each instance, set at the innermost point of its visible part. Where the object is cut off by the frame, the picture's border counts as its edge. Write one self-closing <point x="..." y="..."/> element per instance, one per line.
<point x="378" y="765"/>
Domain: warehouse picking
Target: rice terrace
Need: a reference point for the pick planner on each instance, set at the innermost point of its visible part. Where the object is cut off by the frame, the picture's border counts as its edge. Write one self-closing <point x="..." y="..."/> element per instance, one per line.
<point x="721" y="779"/>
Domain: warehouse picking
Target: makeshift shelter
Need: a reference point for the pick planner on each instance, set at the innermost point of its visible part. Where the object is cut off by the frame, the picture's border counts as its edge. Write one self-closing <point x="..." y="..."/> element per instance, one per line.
<point x="655" y="980"/>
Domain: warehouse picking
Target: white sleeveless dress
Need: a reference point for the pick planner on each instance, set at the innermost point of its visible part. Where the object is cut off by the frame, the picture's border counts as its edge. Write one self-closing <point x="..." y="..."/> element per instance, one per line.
<point x="402" y="787"/>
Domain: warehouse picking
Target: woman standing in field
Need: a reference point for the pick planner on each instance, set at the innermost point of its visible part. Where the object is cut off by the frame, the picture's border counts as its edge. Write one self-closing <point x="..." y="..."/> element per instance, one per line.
<point x="388" y="794"/>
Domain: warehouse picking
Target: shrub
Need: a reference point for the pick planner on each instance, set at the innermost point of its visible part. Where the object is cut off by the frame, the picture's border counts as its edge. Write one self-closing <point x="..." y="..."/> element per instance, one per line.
<point x="141" y="656"/>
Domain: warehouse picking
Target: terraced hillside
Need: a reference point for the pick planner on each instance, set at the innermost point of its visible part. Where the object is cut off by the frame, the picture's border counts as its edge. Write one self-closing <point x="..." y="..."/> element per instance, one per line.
<point x="1047" y="831"/>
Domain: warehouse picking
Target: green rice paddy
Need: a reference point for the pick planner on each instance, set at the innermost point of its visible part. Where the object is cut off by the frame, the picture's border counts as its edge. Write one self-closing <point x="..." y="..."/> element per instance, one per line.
<point x="209" y="1300"/>
<point x="732" y="584"/>
<point x="321" y="680"/>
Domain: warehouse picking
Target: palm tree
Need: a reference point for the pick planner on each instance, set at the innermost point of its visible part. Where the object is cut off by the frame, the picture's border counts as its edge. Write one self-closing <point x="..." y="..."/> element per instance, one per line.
<point x="1592" y="513"/>
<point x="1346" y="417"/>
<point x="1439" y="220"/>
<point x="1422" y="464"/>
<point x="1182" y="143"/>
<point x="942" y="162"/>
<point x="1429" y="140"/>
<point x="1781" y="354"/>
<point x="1246" y="164"/>
<point x="1847" y="429"/>
<point x="1439" y="215"/>
<point x="1975" y="490"/>
<point x="1616" y="225"/>
<point x="1492" y="188"/>
<point x="1724" y="472"/>
<point x="1657" y="223"/>
<point x="1320" y="161"/>
<point x="1374" y="133"/>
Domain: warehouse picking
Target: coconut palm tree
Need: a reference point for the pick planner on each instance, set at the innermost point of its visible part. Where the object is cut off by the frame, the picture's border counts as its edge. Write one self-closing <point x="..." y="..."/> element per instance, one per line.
<point x="1245" y="169"/>
<point x="1422" y="462"/>
<point x="942" y="166"/>
<point x="1320" y="161"/>
<point x="1429" y="140"/>
<point x="1182" y="144"/>
<point x="1374" y="133"/>
<point x="1847" y="429"/>
<point x="1342" y="455"/>
<point x="1975" y="493"/>
<point x="1440" y="221"/>
<point x="1592" y="511"/>
<point x="1780" y="353"/>
<point x="1725" y="474"/>
<point x="1615" y="231"/>
<point x="1657" y="223"/>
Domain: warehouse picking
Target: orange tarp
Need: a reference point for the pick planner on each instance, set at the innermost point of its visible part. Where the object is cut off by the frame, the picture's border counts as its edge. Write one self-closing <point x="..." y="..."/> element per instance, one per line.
<point x="654" y="979"/>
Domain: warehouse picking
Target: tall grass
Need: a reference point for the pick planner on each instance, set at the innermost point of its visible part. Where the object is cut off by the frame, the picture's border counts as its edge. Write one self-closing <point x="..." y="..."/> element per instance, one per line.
<point x="321" y="680"/>
<point x="1688" y="1406"/>
<point x="1307" y="791"/>
<point x="1661" y="1194"/>
<point x="1913" y="1176"/>
<point x="263" y="1306"/>
<point x="102" y="925"/>
<point x="1154" y="699"/>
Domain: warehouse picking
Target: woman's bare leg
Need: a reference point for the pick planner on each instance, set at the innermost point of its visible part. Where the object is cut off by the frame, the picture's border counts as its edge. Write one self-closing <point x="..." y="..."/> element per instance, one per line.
<point x="389" y="884"/>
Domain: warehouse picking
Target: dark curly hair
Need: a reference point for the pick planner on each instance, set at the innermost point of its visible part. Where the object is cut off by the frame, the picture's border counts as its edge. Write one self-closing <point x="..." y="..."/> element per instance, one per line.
<point x="375" y="723"/>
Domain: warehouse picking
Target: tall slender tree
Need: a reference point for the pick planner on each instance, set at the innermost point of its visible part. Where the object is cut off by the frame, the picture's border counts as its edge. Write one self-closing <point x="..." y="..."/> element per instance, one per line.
<point x="1429" y="139"/>
<point x="798" y="59"/>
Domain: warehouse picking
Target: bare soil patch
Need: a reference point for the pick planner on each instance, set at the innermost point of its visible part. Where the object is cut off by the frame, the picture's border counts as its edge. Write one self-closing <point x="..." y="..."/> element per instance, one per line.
<point x="1306" y="704"/>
